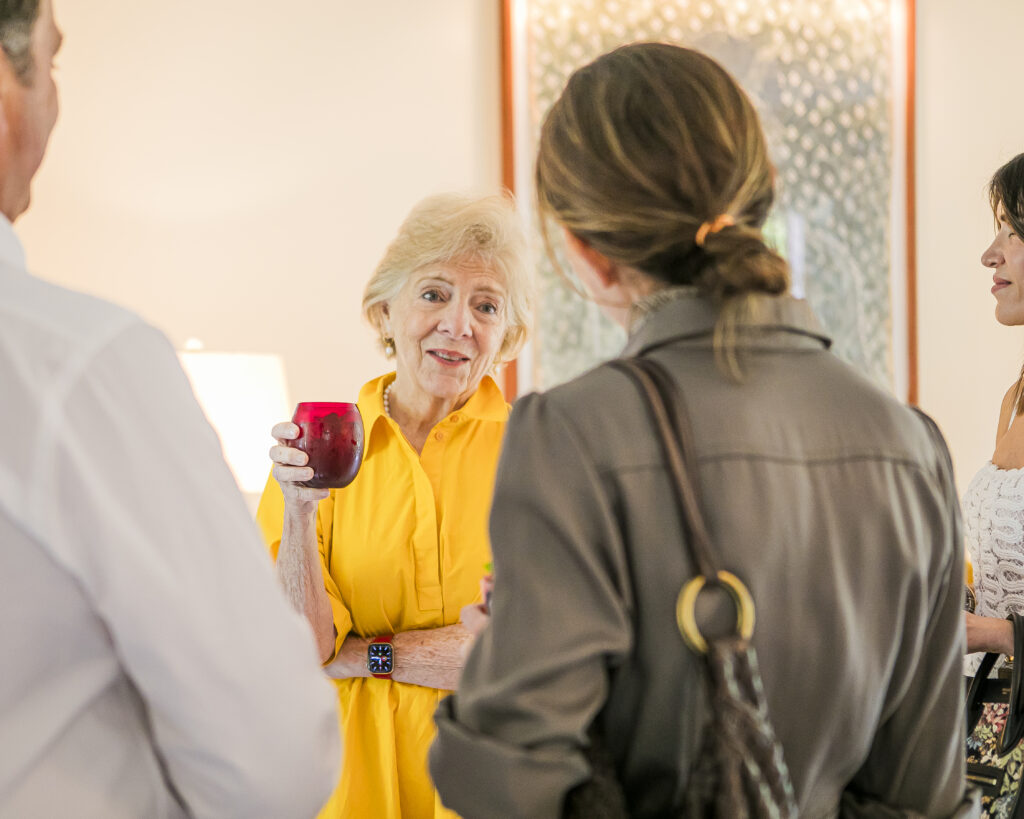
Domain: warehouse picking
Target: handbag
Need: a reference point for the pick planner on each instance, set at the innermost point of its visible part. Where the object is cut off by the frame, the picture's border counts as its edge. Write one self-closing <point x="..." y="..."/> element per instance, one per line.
<point x="739" y="770"/>
<point x="995" y="733"/>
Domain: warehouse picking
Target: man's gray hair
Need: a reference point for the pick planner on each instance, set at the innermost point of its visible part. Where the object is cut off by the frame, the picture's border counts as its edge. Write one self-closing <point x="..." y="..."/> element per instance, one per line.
<point x="17" y="17"/>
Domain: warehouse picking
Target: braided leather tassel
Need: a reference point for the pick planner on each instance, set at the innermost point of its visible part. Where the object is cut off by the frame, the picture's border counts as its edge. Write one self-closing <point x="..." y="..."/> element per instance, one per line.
<point x="740" y="771"/>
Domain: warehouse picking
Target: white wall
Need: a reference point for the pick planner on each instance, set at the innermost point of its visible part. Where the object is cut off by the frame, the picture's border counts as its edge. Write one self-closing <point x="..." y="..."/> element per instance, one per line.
<point x="970" y="120"/>
<point x="233" y="170"/>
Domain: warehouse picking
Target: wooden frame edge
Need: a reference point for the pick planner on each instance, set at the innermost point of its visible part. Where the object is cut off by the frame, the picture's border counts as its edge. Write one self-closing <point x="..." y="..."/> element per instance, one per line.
<point x="510" y="374"/>
<point x="912" y="382"/>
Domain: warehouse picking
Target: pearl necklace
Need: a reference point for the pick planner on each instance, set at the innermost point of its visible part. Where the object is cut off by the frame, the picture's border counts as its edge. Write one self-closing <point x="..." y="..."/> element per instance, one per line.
<point x="387" y="399"/>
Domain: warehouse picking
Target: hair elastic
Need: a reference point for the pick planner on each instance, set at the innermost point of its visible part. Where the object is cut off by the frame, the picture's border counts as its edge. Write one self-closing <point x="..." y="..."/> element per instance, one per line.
<point x="723" y="221"/>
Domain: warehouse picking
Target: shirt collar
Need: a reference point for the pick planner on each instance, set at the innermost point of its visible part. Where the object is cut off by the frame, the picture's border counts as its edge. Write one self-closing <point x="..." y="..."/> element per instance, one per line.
<point x="486" y="404"/>
<point x="693" y="317"/>
<point x="12" y="253"/>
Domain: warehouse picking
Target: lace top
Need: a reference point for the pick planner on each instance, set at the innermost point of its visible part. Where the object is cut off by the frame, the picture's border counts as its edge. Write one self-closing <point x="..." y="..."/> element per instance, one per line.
<point x="993" y="509"/>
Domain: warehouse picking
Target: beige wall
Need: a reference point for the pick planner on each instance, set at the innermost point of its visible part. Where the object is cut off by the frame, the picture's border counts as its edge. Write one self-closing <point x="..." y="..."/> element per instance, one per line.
<point x="233" y="173"/>
<point x="233" y="170"/>
<point x="969" y="121"/>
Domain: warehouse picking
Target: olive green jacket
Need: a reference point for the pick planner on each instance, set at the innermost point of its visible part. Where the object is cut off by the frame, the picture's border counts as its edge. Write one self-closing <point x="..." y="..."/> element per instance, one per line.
<point x="835" y="504"/>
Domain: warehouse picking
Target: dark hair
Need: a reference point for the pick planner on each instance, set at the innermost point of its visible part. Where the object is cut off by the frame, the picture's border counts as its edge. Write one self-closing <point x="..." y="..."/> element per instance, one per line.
<point x="17" y="17"/>
<point x="1006" y="188"/>
<point x="644" y="146"/>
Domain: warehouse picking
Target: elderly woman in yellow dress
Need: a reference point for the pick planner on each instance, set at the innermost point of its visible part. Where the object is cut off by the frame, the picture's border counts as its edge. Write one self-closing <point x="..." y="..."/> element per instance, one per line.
<point x="384" y="566"/>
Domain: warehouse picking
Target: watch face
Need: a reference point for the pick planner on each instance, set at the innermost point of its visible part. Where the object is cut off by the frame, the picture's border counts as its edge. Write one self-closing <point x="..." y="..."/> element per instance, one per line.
<point x="380" y="658"/>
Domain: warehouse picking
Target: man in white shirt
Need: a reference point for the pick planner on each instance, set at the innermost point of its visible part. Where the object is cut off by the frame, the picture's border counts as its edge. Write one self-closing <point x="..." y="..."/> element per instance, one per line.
<point x="149" y="664"/>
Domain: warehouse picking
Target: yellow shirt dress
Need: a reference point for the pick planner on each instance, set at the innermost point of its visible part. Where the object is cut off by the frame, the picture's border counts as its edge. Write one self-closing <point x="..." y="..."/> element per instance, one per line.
<point x="402" y="547"/>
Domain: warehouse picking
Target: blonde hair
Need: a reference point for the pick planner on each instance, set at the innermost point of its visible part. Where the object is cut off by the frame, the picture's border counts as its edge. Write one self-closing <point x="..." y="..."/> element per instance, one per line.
<point x="646" y="146"/>
<point x="450" y="228"/>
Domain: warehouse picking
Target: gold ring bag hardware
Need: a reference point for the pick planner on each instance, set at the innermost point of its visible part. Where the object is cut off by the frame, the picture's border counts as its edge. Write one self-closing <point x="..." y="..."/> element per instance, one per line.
<point x="739" y="769"/>
<point x="995" y="733"/>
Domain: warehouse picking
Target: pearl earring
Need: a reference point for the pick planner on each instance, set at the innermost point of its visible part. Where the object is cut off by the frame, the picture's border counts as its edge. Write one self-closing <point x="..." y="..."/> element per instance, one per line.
<point x="389" y="346"/>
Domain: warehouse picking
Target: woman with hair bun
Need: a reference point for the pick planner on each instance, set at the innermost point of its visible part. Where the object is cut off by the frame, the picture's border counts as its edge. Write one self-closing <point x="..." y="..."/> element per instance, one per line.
<point x="830" y="500"/>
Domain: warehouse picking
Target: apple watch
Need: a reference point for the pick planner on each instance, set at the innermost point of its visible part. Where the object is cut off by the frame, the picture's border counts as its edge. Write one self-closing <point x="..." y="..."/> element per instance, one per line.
<point x="380" y="657"/>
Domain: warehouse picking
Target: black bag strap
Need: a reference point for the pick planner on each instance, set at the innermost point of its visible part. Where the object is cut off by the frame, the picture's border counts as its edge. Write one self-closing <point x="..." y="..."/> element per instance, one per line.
<point x="974" y="694"/>
<point x="1014" y="730"/>
<point x="673" y="427"/>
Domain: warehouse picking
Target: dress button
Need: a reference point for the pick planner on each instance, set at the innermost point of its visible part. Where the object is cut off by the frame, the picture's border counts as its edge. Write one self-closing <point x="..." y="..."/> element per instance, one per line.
<point x="439" y="436"/>
<point x="456" y="418"/>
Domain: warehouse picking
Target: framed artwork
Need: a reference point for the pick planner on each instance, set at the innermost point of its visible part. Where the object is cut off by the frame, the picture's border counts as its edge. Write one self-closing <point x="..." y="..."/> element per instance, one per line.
<point x="833" y="83"/>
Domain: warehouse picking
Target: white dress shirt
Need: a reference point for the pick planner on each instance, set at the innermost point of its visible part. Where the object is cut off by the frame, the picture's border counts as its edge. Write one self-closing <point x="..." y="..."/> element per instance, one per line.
<point x="149" y="664"/>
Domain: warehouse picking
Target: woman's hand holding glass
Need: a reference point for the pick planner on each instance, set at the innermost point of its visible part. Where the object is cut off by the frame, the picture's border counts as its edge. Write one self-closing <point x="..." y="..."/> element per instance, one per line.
<point x="290" y="469"/>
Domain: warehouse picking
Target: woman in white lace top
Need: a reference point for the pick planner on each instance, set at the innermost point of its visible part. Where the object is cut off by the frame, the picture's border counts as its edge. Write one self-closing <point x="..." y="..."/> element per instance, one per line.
<point x="994" y="502"/>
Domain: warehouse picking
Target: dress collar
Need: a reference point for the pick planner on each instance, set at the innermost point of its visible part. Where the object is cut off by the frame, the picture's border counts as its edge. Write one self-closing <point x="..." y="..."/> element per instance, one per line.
<point x="689" y="316"/>
<point x="486" y="404"/>
<point x="12" y="253"/>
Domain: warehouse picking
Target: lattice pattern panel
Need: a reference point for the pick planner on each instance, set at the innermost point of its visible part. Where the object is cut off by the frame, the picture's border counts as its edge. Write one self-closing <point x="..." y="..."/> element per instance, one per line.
<point x="820" y="74"/>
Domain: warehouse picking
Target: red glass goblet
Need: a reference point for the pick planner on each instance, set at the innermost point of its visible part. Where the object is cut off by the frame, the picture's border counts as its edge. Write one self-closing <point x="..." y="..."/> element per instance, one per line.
<point x="331" y="434"/>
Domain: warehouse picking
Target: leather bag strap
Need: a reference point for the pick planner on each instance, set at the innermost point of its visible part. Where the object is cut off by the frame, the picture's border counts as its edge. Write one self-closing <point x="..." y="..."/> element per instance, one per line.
<point x="974" y="694"/>
<point x="668" y="412"/>
<point x="1013" y="732"/>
